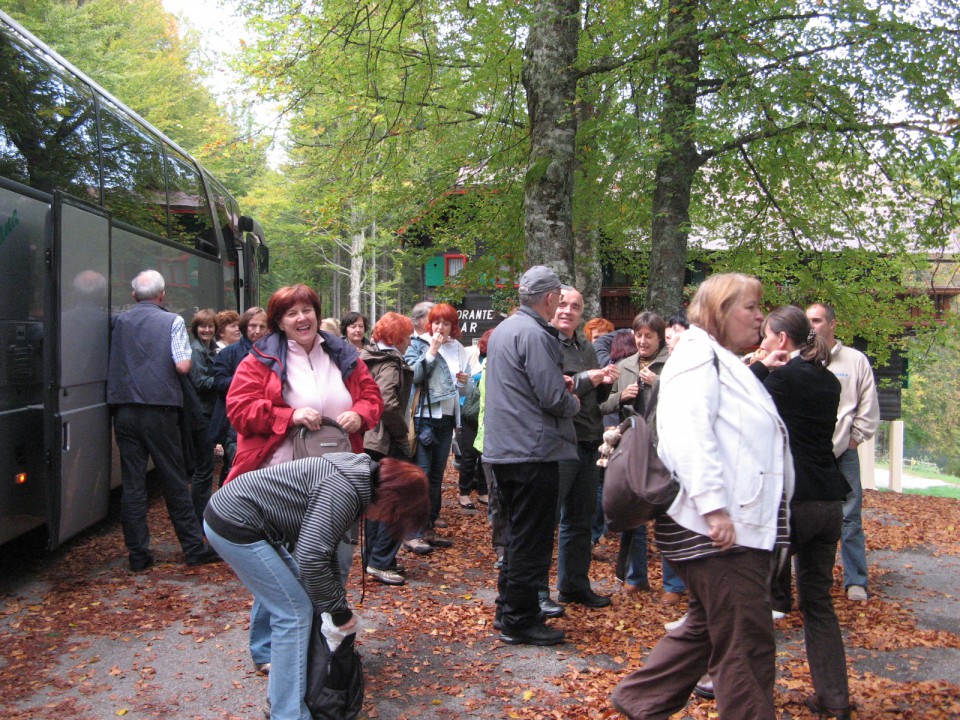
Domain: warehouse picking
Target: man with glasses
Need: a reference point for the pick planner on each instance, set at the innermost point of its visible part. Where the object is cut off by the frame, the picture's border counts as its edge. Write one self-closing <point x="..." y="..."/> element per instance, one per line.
<point x="528" y="431"/>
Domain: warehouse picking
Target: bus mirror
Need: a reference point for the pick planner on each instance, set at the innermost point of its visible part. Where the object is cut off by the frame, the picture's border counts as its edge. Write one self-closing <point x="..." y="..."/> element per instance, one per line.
<point x="263" y="259"/>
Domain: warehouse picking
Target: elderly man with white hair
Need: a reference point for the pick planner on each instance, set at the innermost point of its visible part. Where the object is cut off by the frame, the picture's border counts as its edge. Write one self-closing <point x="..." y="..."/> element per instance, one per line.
<point x="148" y="350"/>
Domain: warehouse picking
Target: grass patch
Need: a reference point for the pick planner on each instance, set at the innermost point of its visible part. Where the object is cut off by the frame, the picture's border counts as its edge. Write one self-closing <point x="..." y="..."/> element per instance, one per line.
<point x="924" y="473"/>
<point x="945" y="491"/>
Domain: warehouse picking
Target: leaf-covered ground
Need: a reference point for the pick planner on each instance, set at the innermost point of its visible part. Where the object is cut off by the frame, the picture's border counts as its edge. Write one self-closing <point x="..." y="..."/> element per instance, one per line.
<point x="82" y="639"/>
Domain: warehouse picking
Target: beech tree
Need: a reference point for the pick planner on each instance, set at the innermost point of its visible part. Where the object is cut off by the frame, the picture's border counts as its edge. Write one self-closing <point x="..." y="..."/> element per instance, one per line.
<point x="812" y="143"/>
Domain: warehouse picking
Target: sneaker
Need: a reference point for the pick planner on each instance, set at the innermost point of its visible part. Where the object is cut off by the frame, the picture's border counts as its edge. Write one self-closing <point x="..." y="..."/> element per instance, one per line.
<point x="262" y="668"/>
<point x="777" y="615"/>
<point x="387" y="577"/>
<point x="499" y="563"/>
<point x="440" y="523"/>
<point x="538" y="634"/>
<point x="417" y="546"/>
<point x="670" y="626"/>
<point x="671" y="598"/>
<point x="857" y="592"/>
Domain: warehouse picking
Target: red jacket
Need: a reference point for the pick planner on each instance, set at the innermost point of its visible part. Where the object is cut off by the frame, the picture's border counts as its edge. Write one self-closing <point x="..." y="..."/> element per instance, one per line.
<point x="262" y="418"/>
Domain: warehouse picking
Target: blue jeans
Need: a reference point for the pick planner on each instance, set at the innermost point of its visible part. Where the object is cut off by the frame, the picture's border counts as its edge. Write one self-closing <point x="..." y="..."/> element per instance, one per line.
<point x="853" y="547"/>
<point x="433" y="459"/>
<point x="637" y="567"/>
<point x="671" y="581"/>
<point x="599" y="522"/>
<point x="260" y="616"/>
<point x="270" y="573"/>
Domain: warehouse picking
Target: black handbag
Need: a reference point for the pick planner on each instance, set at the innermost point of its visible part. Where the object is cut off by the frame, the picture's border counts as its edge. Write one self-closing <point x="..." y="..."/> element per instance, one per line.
<point x="330" y="437"/>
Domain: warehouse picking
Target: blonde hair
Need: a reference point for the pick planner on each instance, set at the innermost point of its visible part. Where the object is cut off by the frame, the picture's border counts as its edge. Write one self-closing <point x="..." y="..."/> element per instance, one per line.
<point x="714" y="302"/>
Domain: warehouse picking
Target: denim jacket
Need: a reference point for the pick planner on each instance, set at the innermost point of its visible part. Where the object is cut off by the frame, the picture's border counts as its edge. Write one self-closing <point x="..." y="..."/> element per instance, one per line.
<point x="435" y="374"/>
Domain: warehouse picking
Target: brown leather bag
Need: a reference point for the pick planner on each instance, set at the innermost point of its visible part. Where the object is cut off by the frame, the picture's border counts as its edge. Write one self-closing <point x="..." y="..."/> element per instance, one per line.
<point x="330" y="437"/>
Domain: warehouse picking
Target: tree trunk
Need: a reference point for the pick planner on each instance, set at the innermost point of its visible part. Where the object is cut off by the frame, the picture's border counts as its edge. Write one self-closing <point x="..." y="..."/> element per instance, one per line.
<point x="678" y="164"/>
<point x="356" y="269"/>
<point x="549" y="78"/>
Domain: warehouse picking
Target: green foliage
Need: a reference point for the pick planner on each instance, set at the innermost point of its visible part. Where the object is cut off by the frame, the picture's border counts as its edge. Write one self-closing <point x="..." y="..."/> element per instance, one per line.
<point x="931" y="403"/>
<point x="134" y="50"/>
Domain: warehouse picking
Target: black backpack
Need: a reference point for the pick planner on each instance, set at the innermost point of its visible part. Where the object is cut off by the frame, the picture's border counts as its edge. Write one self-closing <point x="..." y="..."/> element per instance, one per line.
<point x="334" y="679"/>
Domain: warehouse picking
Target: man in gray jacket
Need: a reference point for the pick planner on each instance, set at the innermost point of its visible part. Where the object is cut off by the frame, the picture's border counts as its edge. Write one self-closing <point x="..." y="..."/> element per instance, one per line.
<point x="528" y="430"/>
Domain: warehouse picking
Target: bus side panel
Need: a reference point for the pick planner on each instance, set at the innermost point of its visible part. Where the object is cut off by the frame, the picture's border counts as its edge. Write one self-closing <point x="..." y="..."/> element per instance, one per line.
<point x="79" y="417"/>
<point x="23" y="222"/>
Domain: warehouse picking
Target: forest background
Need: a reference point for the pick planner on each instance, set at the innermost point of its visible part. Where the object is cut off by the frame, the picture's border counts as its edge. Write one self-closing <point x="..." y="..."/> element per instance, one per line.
<point x="810" y="143"/>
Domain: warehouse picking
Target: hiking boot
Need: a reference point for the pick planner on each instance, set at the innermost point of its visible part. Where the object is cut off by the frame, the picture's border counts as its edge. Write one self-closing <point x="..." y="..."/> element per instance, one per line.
<point x="538" y="634"/>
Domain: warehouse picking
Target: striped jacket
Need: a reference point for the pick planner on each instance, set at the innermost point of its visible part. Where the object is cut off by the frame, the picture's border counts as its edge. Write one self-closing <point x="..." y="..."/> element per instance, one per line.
<point x="307" y="503"/>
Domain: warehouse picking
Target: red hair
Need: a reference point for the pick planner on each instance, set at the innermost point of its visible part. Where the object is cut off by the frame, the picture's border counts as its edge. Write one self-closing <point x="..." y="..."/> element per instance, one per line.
<point x="285" y="298"/>
<point x="442" y="312"/>
<point x="392" y="328"/>
<point x="597" y="327"/>
<point x="400" y="494"/>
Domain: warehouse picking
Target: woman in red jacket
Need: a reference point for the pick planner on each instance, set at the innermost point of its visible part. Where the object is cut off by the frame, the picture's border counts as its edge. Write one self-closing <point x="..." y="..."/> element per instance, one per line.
<point x="295" y="376"/>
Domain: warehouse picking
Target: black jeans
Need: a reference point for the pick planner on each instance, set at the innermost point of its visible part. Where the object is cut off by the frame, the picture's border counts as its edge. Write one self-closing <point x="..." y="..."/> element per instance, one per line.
<point x="528" y="495"/>
<point x="144" y="431"/>
<point x="471" y="474"/>
<point x="814" y="533"/>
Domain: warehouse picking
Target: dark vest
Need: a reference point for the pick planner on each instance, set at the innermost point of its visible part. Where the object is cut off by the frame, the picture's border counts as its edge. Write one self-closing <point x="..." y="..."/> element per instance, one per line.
<point x="142" y="371"/>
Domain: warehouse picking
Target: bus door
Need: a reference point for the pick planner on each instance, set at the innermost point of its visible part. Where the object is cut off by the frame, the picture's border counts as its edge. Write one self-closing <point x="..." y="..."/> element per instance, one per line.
<point x="77" y="332"/>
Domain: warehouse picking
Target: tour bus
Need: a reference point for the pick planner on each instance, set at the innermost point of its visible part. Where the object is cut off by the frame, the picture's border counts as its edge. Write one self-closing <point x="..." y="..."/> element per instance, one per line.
<point x="90" y="195"/>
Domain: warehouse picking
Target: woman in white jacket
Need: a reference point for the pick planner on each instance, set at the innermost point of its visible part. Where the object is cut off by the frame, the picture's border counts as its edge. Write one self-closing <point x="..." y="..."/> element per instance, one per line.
<point x="721" y="436"/>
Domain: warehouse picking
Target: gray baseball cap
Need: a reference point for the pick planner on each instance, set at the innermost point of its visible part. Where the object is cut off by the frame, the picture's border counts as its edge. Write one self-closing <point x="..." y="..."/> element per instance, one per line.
<point x="540" y="279"/>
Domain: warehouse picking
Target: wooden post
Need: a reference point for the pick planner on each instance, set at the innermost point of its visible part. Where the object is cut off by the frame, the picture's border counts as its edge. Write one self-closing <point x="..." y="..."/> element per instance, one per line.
<point x="896" y="455"/>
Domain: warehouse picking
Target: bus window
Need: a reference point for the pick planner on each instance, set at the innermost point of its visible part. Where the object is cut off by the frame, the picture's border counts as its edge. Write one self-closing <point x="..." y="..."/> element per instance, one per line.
<point x="190" y="221"/>
<point x="48" y="133"/>
<point x="134" y="186"/>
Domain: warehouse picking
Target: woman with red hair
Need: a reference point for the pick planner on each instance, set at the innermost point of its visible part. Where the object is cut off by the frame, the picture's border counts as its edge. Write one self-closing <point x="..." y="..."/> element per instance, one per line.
<point x="307" y="505"/>
<point x="295" y="376"/>
<point x="441" y="369"/>
<point x="384" y="357"/>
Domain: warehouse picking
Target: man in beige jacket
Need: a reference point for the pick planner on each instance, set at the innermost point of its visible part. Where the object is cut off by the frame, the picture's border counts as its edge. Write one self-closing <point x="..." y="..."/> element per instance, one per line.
<point x="857" y="420"/>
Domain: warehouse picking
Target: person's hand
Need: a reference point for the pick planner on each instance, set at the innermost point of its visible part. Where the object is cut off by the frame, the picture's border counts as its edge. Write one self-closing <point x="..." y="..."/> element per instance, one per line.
<point x="629" y="393"/>
<point x="722" y="531"/>
<point x="436" y="340"/>
<point x="349" y="626"/>
<point x="568" y="381"/>
<point x="308" y="417"/>
<point x="648" y="376"/>
<point x="596" y="376"/>
<point x="611" y="373"/>
<point x="853" y="444"/>
<point x="349" y="421"/>
<point x="775" y="358"/>
<point x="462" y="378"/>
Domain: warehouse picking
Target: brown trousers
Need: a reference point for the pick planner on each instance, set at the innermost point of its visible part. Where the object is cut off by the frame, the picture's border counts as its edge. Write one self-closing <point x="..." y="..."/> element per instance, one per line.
<point x="728" y="633"/>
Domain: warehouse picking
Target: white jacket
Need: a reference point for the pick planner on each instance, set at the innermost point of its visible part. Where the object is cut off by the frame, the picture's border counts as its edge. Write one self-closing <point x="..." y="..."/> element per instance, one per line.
<point x="724" y="441"/>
